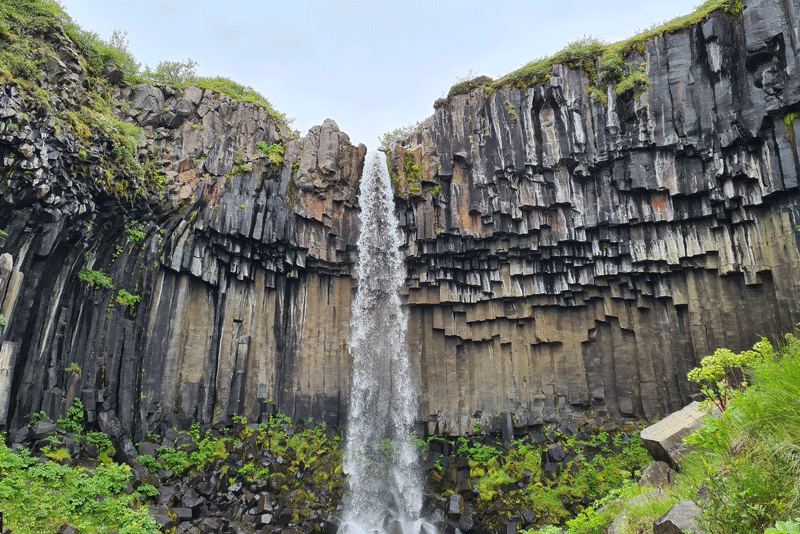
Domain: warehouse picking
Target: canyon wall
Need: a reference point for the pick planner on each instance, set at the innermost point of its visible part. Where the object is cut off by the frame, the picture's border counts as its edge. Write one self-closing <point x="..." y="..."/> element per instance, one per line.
<point x="566" y="253"/>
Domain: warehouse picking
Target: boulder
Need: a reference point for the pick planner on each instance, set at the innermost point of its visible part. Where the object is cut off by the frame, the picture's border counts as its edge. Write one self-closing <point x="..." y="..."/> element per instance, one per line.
<point x="681" y="519"/>
<point x="658" y="474"/>
<point x="664" y="440"/>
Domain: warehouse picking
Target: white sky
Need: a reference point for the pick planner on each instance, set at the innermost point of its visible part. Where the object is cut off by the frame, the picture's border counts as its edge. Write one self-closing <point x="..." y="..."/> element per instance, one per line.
<point x="370" y="66"/>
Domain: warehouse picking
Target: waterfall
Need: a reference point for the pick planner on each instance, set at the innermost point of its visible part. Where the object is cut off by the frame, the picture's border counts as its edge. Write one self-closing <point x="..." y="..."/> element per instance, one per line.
<point x="379" y="458"/>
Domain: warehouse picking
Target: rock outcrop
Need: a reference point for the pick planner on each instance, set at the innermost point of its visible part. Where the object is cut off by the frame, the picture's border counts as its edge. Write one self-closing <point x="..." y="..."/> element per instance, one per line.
<point x="570" y="254"/>
<point x="565" y="255"/>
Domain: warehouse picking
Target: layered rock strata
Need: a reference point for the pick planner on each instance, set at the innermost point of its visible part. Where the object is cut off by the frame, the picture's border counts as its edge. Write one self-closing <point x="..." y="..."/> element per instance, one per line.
<point x="565" y="255"/>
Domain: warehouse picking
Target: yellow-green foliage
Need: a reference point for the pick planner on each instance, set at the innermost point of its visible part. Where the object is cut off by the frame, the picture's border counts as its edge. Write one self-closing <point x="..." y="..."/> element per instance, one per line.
<point x="413" y="174"/>
<point x="274" y="152"/>
<point x="749" y="458"/>
<point x="240" y="166"/>
<point x="512" y="111"/>
<point x="95" y="278"/>
<point x="126" y="299"/>
<point x="719" y="373"/>
<point x="637" y="81"/>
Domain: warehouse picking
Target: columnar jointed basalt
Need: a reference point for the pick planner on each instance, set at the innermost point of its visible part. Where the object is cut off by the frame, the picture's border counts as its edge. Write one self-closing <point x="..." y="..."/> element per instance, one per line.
<point x="572" y="255"/>
<point x="566" y="253"/>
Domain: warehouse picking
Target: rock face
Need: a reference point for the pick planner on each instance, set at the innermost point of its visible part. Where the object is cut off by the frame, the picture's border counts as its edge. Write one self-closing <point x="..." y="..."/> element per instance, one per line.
<point x="569" y="255"/>
<point x="564" y="255"/>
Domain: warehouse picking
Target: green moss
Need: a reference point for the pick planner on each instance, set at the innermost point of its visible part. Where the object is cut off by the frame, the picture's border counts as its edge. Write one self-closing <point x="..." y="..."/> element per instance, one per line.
<point x="636" y="81"/>
<point x="240" y="166"/>
<point x="512" y="111"/>
<point x="413" y="174"/>
<point x="464" y="87"/>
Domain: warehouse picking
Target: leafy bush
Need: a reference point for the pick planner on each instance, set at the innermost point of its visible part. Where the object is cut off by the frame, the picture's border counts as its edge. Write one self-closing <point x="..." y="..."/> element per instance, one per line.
<point x="720" y="373"/>
<point x="41" y="497"/>
<point x="99" y="440"/>
<point x="135" y="231"/>
<point x="74" y="418"/>
<point x="126" y="299"/>
<point x="785" y="527"/>
<point x="172" y="72"/>
<point x="274" y="152"/>
<point x="95" y="278"/>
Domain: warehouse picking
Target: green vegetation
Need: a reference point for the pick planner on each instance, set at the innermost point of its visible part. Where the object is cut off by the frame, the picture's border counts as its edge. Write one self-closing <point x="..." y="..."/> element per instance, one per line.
<point x="126" y="299"/>
<point x="747" y="460"/>
<point x="464" y="86"/>
<point x="636" y="81"/>
<point x="41" y="497"/>
<point x="126" y="175"/>
<point x="720" y="373"/>
<point x="135" y="231"/>
<point x="240" y="166"/>
<point x="603" y="462"/>
<point x="749" y="457"/>
<point x="605" y="63"/>
<point x="413" y="175"/>
<point x="274" y="152"/>
<point x="95" y="278"/>
<point x="403" y="132"/>
<point x="73" y="420"/>
<point x="785" y="527"/>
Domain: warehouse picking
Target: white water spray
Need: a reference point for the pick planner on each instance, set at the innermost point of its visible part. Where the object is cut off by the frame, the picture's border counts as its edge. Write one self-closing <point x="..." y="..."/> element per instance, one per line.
<point x="379" y="458"/>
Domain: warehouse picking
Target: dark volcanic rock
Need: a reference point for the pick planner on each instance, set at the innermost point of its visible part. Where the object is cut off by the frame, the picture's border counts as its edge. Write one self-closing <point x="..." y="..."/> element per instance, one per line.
<point x="681" y="519"/>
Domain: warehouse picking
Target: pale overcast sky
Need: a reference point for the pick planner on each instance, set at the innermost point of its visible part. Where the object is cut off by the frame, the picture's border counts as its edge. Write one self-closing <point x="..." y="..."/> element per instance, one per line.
<point x="370" y="66"/>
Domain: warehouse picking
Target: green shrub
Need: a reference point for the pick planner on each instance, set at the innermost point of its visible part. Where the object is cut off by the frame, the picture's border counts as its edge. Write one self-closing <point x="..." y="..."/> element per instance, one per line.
<point x="719" y="373"/>
<point x="785" y="527"/>
<point x="126" y="299"/>
<point x="135" y="231"/>
<point x="42" y="497"/>
<point x="172" y="72"/>
<point x="274" y="152"/>
<point x="95" y="278"/>
<point x="74" y="418"/>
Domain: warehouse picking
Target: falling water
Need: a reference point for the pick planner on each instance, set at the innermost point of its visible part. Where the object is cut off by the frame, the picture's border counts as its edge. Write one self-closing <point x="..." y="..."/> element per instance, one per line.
<point x="379" y="458"/>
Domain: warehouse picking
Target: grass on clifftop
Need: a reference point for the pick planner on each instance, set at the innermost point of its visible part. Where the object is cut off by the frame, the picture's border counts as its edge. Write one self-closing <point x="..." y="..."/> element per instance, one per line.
<point x="585" y="52"/>
<point x="22" y="55"/>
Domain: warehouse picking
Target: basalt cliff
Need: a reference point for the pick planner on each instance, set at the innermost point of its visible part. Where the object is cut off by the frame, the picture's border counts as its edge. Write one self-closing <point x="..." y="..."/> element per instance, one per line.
<point x="567" y="251"/>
